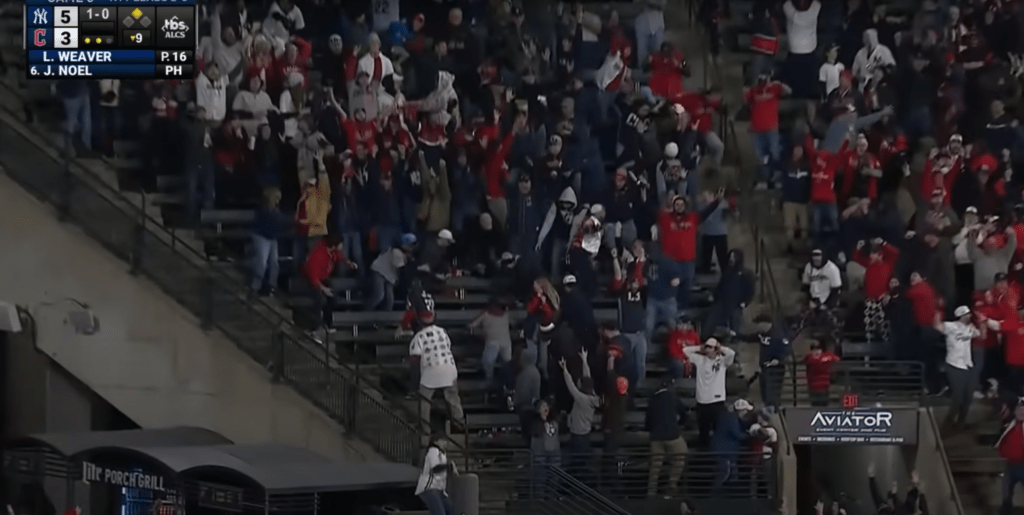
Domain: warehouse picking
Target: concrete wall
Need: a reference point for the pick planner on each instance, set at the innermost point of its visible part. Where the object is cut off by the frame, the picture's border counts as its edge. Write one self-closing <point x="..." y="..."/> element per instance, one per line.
<point x="150" y="360"/>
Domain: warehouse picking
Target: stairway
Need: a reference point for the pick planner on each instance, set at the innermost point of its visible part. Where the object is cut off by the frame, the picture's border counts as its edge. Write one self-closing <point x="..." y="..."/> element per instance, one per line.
<point x="976" y="465"/>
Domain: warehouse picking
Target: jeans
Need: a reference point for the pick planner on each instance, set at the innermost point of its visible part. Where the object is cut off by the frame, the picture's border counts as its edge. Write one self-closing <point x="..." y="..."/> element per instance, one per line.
<point x="200" y="188"/>
<point x="627" y="235"/>
<point x="649" y="43"/>
<point x="579" y="456"/>
<point x="638" y="345"/>
<point x="1014" y="475"/>
<point x="382" y="294"/>
<point x="352" y="242"/>
<point x="687" y="269"/>
<point x="660" y="312"/>
<point x="961" y="391"/>
<point x="766" y="144"/>
<point x="438" y="502"/>
<point x="78" y="118"/>
<point x="492" y="353"/>
<point x="265" y="265"/>
<point x="824" y="219"/>
<point x="110" y="123"/>
<point x="725" y="471"/>
<point x="544" y="482"/>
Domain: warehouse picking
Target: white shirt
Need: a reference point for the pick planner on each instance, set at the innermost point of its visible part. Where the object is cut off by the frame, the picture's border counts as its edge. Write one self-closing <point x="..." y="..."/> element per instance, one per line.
<point x="107" y="86"/>
<point x="960" y="253"/>
<point x="259" y="104"/>
<point x="212" y="96"/>
<point x="773" y="438"/>
<point x="385" y="12"/>
<point x="864" y="63"/>
<point x="430" y="480"/>
<point x="710" y="373"/>
<point x="275" y="29"/>
<point x="829" y="74"/>
<point x="821" y="281"/>
<point x="437" y="365"/>
<point x="287" y="106"/>
<point x="366" y="64"/>
<point x="958" y="344"/>
<point x="802" y="27"/>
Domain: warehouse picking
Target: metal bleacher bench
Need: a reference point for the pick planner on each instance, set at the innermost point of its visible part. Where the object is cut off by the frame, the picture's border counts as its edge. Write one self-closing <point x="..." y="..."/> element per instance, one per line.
<point x="232" y="224"/>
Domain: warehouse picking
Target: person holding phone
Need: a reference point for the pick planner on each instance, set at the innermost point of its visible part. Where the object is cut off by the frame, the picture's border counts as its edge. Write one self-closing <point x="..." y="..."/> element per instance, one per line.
<point x="432" y="486"/>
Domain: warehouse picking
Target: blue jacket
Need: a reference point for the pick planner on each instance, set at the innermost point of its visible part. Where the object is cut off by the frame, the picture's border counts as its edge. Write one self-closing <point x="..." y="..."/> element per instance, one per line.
<point x="525" y="217"/>
<point x="729" y="437"/>
<point x="269" y="223"/>
<point x="665" y="413"/>
<point x="736" y="285"/>
<point x="796" y="182"/>
<point x="774" y="344"/>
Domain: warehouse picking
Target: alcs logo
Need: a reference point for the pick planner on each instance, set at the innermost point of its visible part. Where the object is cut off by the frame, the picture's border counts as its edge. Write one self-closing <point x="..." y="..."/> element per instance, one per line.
<point x="175" y="28"/>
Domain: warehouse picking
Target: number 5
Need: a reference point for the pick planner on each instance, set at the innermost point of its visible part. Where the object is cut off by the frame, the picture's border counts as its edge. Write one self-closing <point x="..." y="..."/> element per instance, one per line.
<point x="65" y="16"/>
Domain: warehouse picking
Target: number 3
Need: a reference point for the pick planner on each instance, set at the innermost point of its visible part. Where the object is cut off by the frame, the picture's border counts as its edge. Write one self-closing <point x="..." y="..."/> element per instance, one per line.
<point x="65" y="38"/>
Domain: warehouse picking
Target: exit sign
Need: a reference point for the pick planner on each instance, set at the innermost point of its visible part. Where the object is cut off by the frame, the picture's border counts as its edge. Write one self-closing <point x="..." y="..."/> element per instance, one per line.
<point x="850" y="400"/>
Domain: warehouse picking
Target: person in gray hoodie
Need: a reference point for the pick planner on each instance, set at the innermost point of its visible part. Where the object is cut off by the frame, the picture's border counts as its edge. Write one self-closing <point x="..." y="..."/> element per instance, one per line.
<point x="988" y="257"/>
<point x="581" y="418"/>
<point x="527" y="390"/>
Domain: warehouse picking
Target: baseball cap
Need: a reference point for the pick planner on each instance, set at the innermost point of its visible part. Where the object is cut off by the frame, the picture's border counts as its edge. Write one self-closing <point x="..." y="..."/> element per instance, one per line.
<point x="742" y="405"/>
<point x="445" y="234"/>
<point x="962" y="311"/>
<point x="569" y="279"/>
<point x="408" y="239"/>
<point x="817" y="252"/>
<point x="971" y="209"/>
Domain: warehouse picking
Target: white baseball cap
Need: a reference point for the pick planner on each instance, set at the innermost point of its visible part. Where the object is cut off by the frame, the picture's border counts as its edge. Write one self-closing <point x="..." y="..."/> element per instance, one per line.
<point x="742" y="405"/>
<point x="569" y="279"/>
<point x="445" y="234"/>
<point x="962" y="311"/>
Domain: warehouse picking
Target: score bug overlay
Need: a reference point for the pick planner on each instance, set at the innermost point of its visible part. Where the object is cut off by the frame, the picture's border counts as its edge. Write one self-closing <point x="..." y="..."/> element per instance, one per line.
<point x="123" y="39"/>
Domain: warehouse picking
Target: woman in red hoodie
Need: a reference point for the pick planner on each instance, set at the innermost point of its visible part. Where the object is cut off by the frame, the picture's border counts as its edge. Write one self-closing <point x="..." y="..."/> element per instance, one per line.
<point x="819" y="373"/>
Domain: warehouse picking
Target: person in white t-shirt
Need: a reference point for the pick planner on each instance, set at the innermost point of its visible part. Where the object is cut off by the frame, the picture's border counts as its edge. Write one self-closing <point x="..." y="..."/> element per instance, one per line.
<point x="821" y="281"/>
<point x="212" y="93"/>
<point x="828" y="74"/>
<point x="251" y="106"/>
<point x="871" y="56"/>
<point x="710" y="361"/>
<point x="431" y="358"/>
<point x="802" y="35"/>
<point x="432" y="486"/>
<point x="959" y="364"/>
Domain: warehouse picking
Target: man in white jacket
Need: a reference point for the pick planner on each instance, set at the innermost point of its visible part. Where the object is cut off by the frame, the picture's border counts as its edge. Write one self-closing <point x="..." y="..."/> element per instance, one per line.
<point x="871" y="56"/>
<point x="710" y="362"/>
<point x="375" y="64"/>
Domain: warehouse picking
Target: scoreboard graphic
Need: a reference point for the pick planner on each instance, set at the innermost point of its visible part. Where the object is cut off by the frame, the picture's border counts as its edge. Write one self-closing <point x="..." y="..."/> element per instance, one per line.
<point x="110" y="39"/>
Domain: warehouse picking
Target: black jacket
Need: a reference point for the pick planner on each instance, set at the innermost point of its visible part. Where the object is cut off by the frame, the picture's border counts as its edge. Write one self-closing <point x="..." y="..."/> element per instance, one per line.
<point x="665" y="414"/>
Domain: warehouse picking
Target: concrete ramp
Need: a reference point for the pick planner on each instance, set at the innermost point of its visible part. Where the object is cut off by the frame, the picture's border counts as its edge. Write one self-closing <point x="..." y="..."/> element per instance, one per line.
<point x="149" y="358"/>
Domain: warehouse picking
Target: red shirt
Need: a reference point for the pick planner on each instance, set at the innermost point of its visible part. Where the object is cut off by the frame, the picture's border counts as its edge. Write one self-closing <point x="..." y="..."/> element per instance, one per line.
<point x="542" y="308"/>
<point x="764" y="106"/>
<point x="678" y="340"/>
<point x="496" y="171"/>
<point x="1006" y="301"/>
<point x="823" y="171"/>
<point x="1011" y="443"/>
<point x="877" y="271"/>
<point x="853" y="163"/>
<point x="819" y="370"/>
<point x="320" y="263"/>
<point x="701" y="109"/>
<point x="924" y="303"/>
<point x="1013" y="337"/>
<point x="678" y="234"/>
<point x="666" y="78"/>
<point x="988" y="339"/>
<point x="933" y="178"/>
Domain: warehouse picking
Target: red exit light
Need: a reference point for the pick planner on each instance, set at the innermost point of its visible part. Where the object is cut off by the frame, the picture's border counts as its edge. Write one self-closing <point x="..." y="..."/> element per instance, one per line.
<point x="850" y="401"/>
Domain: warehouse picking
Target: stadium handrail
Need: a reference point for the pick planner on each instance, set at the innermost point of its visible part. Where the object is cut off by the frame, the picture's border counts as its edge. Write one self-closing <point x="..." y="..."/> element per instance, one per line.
<point x="142" y="241"/>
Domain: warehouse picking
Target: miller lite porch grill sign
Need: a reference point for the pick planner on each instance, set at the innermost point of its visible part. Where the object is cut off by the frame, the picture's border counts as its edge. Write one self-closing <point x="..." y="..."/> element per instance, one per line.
<point x="869" y="426"/>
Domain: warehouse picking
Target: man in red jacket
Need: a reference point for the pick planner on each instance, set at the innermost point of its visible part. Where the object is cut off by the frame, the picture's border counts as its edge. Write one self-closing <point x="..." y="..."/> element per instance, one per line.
<point x="824" y="212"/>
<point x="318" y="269"/>
<point x="1012" y="328"/>
<point x="677" y="230"/>
<point x="927" y="307"/>
<point x="1011" y="448"/>
<point x="879" y="260"/>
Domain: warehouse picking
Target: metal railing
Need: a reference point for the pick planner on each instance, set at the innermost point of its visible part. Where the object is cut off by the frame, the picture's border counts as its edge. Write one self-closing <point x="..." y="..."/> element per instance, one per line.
<point x="940" y="448"/>
<point x="886" y="382"/>
<point x="215" y="296"/>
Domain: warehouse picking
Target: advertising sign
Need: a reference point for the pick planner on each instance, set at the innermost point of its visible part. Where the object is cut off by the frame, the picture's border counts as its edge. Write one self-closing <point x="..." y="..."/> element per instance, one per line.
<point x="92" y="473"/>
<point x="868" y="426"/>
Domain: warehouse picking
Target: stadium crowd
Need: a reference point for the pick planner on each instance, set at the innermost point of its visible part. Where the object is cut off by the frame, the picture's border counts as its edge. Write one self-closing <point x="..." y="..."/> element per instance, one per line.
<point x="405" y="144"/>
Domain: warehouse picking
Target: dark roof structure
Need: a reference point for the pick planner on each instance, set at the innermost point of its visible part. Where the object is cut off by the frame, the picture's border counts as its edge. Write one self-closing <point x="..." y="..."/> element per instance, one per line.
<point x="195" y="454"/>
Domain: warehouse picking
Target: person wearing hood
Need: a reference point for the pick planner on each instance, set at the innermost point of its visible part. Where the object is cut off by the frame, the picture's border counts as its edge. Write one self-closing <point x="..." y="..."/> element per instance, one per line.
<point x="525" y="217"/>
<point x="729" y="440"/>
<point x="558" y="223"/>
<point x="991" y="253"/>
<point x="579" y="312"/>
<point x="734" y="292"/>
<point x="662" y="420"/>
<point x="527" y="390"/>
<point x="774" y="351"/>
<point x="677" y="230"/>
<point x="581" y="418"/>
<point x="871" y="56"/>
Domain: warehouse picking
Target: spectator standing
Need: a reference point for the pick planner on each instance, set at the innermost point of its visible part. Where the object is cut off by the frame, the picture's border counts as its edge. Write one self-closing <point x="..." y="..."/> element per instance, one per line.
<point x="677" y="230"/>
<point x="802" y="32"/>
<point x="821" y="281"/>
<point x="828" y="74"/>
<point x="200" y="174"/>
<point x="74" y="95"/>
<point x="212" y="93"/>
<point x="927" y="308"/>
<point x="819" y="363"/>
<point x="545" y="445"/>
<point x="318" y="269"/>
<point x="1012" y="329"/>
<point x="796" y="193"/>
<point x="110" y="122"/>
<point x="731" y="436"/>
<point x="527" y="390"/>
<point x="991" y="252"/>
<point x="734" y="292"/>
<point x="959" y="334"/>
<point x="662" y="281"/>
<point x="431" y="359"/>
<point x="311" y="215"/>
<point x="763" y="99"/>
<point x="432" y="486"/>
<point x="267" y="229"/>
<point x="581" y="418"/>
<point x="710" y="362"/>
<point x="872" y="56"/>
<point x="681" y="336"/>
<point x="935" y="229"/>
<point x="773" y="353"/>
<point x="714" y="236"/>
<point x="879" y="261"/>
<point x="385" y="272"/>
<point x="649" y="27"/>
<point x="665" y="414"/>
<point x="1011" y="449"/>
<point x="765" y="441"/>
<point x="631" y="310"/>
<point x="496" y="329"/>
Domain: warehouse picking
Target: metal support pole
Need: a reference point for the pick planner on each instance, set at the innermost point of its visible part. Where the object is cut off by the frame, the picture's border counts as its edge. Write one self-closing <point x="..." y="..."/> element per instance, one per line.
<point x="278" y="363"/>
<point x="138" y="244"/>
<point x="207" y="303"/>
<point x="64" y="204"/>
